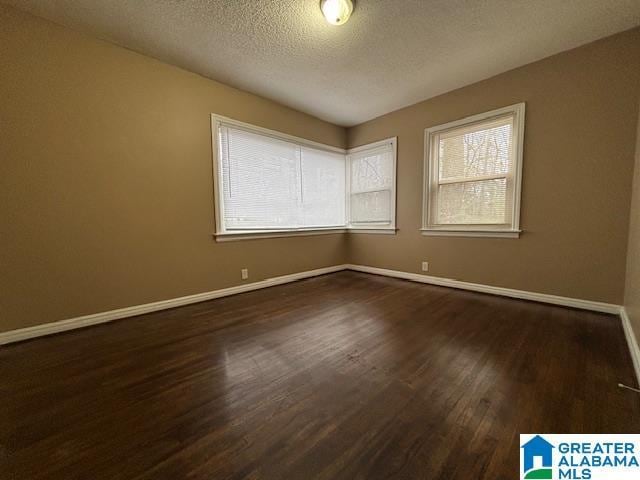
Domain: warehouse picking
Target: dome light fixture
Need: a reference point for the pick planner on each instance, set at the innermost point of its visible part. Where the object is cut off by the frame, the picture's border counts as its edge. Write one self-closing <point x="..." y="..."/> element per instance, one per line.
<point x="337" y="12"/>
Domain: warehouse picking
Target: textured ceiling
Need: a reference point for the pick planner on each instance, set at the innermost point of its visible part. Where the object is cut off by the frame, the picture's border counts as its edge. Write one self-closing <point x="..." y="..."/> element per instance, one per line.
<point x="392" y="53"/>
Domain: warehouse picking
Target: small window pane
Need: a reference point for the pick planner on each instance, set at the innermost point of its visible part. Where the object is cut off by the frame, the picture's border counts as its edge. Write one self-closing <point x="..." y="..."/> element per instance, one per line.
<point x="371" y="207"/>
<point x="469" y="203"/>
<point x="468" y="153"/>
<point x="372" y="170"/>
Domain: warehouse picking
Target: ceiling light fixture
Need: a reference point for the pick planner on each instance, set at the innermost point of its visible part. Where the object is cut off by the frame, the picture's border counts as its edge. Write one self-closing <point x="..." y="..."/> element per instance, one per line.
<point x="337" y="12"/>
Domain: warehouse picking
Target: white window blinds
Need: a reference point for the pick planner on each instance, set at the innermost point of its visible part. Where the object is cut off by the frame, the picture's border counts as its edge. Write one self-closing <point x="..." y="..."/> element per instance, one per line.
<point x="473" y="167"/>
<point x="323" y="188"/>
<point x="372" y="185"/>
<point x="274" y="184"/>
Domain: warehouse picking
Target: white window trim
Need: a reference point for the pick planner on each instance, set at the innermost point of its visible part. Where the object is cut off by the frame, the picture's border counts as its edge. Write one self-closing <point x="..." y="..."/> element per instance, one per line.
<point x="374" y="227"/>
<point x="429" y="172"/>
<point x="254" y="234"/>
<point x="222" y="234"/>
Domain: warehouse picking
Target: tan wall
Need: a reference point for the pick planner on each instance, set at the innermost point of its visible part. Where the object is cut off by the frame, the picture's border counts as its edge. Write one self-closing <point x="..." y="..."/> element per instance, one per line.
<point x="582" y="107"/>
<point x="105" y="179"/>
<point x="632" y="288"/>
<point x="106" y="193"/>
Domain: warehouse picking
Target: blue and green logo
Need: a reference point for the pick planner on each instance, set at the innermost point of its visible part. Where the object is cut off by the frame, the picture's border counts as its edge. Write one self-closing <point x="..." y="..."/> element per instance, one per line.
<point x="537" y="461"/>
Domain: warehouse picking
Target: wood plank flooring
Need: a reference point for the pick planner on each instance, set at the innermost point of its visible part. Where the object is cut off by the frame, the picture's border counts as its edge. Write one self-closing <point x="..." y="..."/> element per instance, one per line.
<point x="344" y="376"/>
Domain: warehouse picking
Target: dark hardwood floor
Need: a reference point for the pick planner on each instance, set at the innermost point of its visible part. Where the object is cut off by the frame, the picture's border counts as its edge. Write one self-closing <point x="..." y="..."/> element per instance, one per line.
<point x="344" y="376"/>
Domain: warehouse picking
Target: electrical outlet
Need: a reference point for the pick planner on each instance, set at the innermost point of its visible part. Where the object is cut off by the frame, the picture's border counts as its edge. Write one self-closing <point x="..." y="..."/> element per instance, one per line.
<point x="425" y="266"/>
<point x="245" y="273"/>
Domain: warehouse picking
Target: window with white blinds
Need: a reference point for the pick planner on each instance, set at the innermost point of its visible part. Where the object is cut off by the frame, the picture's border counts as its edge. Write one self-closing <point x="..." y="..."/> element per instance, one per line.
<point x="270" y="183"/>
<point x="472" y="174"/>
<point x="266" y="183"/>
<point x="372" y="185"/>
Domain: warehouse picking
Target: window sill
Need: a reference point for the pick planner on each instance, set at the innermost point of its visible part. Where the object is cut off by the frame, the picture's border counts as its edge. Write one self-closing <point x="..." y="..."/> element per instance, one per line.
<point x="375" y="231"/>
<point x="441" y="232"/>
<point x="256" y="234"/>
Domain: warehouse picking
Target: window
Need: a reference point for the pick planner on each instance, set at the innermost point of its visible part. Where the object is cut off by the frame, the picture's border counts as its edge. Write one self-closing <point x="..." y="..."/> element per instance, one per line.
<point x="473" y="174"/>
<point x="372" y="186"/>
<point x="270" y="184"/>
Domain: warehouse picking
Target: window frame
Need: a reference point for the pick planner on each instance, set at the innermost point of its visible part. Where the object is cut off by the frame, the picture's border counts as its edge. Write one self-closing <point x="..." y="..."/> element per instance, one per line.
<point x="514" y="178"/>
<point x="388" y="228"/>
<point x="223" y="234"/>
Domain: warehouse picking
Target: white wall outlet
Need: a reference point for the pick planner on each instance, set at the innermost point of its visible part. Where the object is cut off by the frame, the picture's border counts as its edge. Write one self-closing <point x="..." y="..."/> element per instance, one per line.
<point x="245" y="273"/>
<point x="425" y="266"/>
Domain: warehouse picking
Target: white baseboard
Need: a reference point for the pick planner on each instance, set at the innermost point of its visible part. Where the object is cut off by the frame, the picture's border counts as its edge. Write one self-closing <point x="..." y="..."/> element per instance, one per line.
<point x="505" y="292"/>
<point x="103" y="317"/>
<point x="632" y="342"/>
<point x="537" y="297"/>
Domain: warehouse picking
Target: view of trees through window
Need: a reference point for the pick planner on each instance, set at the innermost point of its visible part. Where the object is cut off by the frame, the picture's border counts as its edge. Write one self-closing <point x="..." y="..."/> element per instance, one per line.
<point x="474" y="165"/>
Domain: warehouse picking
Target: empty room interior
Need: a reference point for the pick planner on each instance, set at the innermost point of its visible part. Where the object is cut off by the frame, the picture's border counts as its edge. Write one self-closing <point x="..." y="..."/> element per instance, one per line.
<point x="303" y="239"/>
